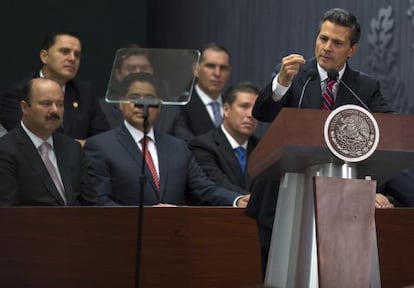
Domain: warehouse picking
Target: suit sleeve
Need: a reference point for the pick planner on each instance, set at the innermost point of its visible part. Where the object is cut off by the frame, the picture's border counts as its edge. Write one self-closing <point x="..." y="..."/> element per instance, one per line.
<point x="203" y="191"/>
<point x="10" y="113"/>
<point x="182" y="130"/>
<point x="401" y="188"/>
<point x="8" y="179"/>
<point x="96" y="177"/>
<point x="377" y="102"/>
<point x="207" y="160"/>
<point x="99" y="122"/>
<point x="266" y="109"/>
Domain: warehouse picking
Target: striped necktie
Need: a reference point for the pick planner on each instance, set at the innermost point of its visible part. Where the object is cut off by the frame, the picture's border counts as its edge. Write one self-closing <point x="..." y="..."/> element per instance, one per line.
<point x="328" y="96"/>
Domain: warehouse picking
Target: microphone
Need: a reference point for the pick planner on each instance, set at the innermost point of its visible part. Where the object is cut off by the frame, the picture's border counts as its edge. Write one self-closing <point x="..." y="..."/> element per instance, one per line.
<point x="333" y="75"/>
<point x="312" y="74"/>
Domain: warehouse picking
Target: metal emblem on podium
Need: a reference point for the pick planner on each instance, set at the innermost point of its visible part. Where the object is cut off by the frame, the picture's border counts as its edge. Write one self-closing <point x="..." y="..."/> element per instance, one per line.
<point x="351" y="133"/>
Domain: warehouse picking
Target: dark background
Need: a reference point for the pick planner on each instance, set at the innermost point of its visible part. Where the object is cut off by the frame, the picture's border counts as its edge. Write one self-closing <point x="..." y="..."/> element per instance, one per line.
<point x="257" y="33"/>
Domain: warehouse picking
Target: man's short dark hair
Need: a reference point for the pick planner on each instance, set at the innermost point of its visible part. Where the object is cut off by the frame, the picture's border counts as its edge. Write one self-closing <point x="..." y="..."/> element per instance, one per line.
<point x="138" y="77"/>
<point x="215" y="47"/>
<point x="342" y="17"/>
<point x="50" y="38"/>
<point x="231" y="93"/>
<point x="130" y="50"/>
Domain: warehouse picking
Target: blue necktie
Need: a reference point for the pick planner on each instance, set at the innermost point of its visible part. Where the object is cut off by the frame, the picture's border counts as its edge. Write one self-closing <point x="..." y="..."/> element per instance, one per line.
<point x="242" y="157"/>
<point x="216" y="113"/>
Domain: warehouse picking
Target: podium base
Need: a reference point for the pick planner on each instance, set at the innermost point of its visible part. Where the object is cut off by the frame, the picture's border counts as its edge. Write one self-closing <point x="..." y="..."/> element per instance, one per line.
<point x="293" y="260"/>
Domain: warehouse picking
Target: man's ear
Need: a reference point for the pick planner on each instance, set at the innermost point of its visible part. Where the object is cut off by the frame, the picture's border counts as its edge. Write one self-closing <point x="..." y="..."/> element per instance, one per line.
<point x="24" y="106"/>
<point x="226" y="108"/>
<point x="43" y="56"/>
<point x="353" y="50"/>
<point x="195" y="67"/>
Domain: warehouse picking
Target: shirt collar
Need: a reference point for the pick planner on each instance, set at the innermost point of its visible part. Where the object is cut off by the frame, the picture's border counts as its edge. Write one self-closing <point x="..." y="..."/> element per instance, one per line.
<point x="37" y="141"/>
<point x="233" y="142"/>
<point x="205" y="98"/>
<point x="324" y="74"/>
<point x="138" y="134"/>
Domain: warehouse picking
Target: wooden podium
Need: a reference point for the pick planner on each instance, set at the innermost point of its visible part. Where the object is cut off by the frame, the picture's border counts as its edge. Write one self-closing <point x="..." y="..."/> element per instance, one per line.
<point x="95" y="247"/>
<point x="332" y="246"/>
<point x="88" y="247"/>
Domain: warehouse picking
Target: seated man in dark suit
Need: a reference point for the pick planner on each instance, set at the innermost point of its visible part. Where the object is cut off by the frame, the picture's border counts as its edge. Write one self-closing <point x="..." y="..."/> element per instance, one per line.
<point x="38" y="166"/>
<point x="217" y="151"/>
<point x="400" y="188"/>
<point x="113" y="160"/>
<point x="204" y="111"/>
<point x="336" y="41"/>
<point x="60" y="56"/>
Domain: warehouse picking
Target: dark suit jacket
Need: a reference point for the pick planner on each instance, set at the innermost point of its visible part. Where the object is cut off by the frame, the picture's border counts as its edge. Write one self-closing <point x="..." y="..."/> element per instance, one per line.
<point x="400" y="188"/>
<point x="367" y="88"/>
<point x="112" y="162"/>
<point x="194" y="119"/>
<point x="216" y="157"/>
<point x="262" y="205"/>
<point x="79" y="122"/>
<point x="25" y="180"/>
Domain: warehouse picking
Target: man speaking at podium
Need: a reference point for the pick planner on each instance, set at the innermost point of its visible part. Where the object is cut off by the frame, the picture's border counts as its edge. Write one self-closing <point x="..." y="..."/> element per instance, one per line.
<point x="305" y="84"/>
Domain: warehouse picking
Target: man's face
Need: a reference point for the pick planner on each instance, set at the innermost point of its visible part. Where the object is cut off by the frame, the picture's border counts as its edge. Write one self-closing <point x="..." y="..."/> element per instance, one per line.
<point x="135" y="115"/>
<point x="213" y="72"/>
<point x="44" y="114"/>
<point x="133" y="64"/>
<point x="333" y="46"/>
<point x="61" y="61"/>
<point x="238" y="119"/>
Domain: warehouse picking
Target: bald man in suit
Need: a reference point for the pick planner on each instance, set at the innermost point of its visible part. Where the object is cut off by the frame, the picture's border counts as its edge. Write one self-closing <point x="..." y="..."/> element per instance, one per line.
<point x="25" y="178"/>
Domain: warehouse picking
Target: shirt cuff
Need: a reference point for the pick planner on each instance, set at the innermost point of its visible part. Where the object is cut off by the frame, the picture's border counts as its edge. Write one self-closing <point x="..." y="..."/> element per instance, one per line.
<point x="237" y="199"/>
<point x="278" y="91"/>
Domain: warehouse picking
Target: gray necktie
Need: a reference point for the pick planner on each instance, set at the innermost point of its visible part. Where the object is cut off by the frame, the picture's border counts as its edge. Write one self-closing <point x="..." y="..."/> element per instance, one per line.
<point x="43" y="150"/>
<point x="216" y="113"/>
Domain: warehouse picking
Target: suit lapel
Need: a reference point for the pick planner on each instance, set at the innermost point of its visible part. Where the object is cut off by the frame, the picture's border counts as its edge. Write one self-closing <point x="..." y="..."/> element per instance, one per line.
<point x="35" y="161"/>
<point x="250" y="147"/>
<point x="344" y="96"/>
<point x="163" y="162"/>
<point x="199" y="111"/>
<point x="228" y="154"/>
<point x="62" y="161"/>
<point x="128" y="143"/>
<point x="71" y="96"/>
<point x="126" y="140"/>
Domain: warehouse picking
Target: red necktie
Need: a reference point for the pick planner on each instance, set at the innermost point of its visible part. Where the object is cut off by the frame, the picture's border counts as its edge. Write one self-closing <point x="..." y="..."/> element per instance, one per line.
<point x="328" y="97"/>
<point x="149" y="161"/>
